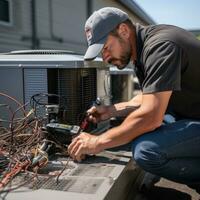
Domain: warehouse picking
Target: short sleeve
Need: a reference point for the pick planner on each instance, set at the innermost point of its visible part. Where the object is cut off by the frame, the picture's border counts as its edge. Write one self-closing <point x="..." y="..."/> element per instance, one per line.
<point x="162" y="67"/>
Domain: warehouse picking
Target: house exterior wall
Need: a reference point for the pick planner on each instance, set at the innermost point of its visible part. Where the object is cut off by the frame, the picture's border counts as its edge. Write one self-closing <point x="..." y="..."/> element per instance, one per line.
<point x="11" y="36"/>
<point x="59" y="24"/>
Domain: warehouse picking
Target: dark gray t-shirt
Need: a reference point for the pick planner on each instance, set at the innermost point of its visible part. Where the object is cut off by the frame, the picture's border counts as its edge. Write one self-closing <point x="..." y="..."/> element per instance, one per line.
<point x="168" y="58"/>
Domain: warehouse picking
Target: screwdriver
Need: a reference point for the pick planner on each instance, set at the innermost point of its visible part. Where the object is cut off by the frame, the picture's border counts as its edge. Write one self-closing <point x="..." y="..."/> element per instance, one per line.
<point x="85" y="122"/>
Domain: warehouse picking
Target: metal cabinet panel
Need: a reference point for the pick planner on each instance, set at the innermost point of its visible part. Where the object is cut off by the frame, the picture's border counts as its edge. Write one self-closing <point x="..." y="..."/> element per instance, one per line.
<point x="35" y="81"/>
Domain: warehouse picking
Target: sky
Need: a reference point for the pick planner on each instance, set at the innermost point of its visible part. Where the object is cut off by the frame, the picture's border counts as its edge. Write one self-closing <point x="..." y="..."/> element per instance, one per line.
<point x="183" y="13"/>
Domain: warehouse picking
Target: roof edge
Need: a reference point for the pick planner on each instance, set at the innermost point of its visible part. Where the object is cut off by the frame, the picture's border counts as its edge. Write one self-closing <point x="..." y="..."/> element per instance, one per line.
<point x="134" y="7"/>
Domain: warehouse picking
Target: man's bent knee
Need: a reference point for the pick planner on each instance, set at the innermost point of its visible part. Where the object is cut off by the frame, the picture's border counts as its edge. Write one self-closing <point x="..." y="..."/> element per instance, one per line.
<point x="148" y="156"/>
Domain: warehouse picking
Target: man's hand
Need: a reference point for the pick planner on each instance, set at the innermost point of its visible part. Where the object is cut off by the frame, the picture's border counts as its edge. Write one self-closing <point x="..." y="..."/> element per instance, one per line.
<point x="82" y="145"/>
<point x="98" y="113"/>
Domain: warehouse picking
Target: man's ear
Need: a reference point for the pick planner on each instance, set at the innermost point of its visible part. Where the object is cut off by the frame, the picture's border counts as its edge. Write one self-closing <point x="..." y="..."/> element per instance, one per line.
<point x="124" y="30"/>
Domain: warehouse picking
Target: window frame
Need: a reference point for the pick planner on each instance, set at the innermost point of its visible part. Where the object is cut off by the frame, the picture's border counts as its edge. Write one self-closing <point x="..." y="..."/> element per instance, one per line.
<point x="10" y="11"/>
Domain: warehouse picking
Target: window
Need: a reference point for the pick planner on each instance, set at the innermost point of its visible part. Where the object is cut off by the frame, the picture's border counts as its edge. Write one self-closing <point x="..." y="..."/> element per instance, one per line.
<point x="6" y="12"/>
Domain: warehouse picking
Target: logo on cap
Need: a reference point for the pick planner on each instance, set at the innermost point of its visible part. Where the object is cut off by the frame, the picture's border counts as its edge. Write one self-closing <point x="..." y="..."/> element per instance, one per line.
<point x="88" y="33"/>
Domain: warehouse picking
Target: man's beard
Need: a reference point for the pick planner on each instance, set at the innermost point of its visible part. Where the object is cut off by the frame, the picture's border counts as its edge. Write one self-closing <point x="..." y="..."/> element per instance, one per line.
<point x="125" y="58"/>
<point x="121" y="62"/>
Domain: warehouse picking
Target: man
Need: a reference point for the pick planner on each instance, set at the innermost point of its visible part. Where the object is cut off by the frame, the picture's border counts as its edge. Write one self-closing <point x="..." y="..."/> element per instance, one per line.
<point x="167" y="64"/>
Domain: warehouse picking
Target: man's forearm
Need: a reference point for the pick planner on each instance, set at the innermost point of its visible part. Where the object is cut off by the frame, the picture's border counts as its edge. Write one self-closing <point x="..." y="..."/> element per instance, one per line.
<point x="125" y="108"/>
<point x="133" y="126"/>
<point x="122" y="109"/>
<point x="146" y="118"/>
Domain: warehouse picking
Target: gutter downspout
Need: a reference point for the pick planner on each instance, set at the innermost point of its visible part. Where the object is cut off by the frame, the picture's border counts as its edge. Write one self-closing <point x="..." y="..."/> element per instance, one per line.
<point x="53" y="37"/>
<point x="88" y="8"/>
<point x="34" y="38"/>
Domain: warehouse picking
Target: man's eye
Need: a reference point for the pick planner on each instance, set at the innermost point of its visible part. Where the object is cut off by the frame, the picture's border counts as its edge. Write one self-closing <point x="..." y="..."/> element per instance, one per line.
<point x="105" y="48"/>
<point x="110" y="61"/>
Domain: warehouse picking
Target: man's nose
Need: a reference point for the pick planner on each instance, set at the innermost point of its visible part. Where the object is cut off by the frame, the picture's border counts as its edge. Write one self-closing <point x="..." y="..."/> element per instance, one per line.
<point x="105" y="54"/>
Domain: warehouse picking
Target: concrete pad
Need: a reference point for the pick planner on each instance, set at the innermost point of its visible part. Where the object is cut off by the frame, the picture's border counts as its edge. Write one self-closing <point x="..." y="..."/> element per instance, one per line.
<point x="108" y="176"/>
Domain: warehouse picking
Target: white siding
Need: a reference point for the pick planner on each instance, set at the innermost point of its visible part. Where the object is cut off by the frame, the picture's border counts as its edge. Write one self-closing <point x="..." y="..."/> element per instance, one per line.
<point x="64" y="29"/>
<point x="11" y="37"/>
<point x="43" y="18"/>
<point x="68" y="19"/>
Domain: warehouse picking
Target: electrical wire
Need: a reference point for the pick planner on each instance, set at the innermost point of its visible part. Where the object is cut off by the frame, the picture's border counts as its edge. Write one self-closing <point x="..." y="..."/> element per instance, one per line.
<point x="21" y="140"/>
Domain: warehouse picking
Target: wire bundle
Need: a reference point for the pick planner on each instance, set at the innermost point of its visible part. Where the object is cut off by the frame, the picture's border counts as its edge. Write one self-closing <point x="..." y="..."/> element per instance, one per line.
<point x="20" y="138"/>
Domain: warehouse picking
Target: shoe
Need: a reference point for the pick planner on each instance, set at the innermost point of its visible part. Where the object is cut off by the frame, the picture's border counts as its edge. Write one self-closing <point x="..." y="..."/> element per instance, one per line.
<point x="148" y="181"/>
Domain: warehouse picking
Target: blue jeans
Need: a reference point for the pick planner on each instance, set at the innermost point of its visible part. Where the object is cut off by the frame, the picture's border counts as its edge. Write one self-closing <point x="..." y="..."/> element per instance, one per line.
<point x="171" y="151"/>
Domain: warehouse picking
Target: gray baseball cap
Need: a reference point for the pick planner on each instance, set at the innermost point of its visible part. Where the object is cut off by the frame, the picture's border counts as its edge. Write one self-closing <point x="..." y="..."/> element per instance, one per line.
<point x="98" y="26"/>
